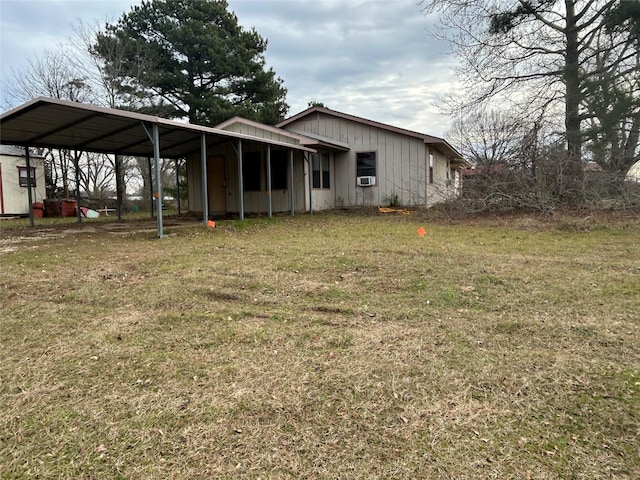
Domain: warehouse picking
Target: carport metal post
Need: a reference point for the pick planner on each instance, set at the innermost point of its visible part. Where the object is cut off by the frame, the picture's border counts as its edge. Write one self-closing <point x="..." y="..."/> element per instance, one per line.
<point x="118" y="167"/>
<point x="29" y="183"/>
<point x="240" y="182"/>
<point x="269" y="205"/>
<point x="177" y="163"/>
<point x="76" y="165"/>
<point x="205" y="193"/>
<point x="291" y="182"/>
<point x="156" y="158"/>
<point x="150" y="185"/>
<point x="154" y="136"/>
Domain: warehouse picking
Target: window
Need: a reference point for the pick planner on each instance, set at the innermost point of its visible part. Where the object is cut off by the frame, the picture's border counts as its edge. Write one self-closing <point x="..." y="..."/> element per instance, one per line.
<point x="251" y="171"/>
<point x="430" y="168"/>
<point x="279" y="168"/>
<point x="22" y="176"/>
<point x="320" y="170"/>
<point x="366" y="164"/>
<point x="326" y="174"/>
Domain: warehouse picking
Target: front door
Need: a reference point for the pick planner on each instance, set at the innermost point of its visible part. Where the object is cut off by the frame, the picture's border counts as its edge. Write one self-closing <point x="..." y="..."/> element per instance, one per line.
<point x="216" y="184"/>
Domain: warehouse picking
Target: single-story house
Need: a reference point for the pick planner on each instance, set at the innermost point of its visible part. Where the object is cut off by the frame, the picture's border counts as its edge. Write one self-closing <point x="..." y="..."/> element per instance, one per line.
<point x="357" y="162"/>
<point x="14" y="180"/>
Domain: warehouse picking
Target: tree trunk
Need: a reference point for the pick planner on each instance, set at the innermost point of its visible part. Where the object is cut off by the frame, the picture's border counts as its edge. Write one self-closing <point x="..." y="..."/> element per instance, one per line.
<point x="573" y="172"/>
<point x="630" y="146"/>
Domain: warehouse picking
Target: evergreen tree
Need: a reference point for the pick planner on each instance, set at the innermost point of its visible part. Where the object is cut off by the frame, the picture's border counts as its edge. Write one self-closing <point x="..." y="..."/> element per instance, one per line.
<point x="191" y="59"/>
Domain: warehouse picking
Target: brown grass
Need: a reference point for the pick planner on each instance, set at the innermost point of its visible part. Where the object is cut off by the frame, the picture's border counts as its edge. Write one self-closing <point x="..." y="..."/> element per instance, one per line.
<point x="332" y="346"/>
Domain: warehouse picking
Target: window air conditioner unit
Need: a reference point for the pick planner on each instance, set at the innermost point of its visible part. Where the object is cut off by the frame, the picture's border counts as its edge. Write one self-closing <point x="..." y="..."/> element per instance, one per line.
<point x="366" y="181"/>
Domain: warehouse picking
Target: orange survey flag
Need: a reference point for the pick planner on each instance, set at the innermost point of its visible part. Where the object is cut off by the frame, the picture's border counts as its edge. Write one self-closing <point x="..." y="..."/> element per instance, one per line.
<point x="422" y="232"/>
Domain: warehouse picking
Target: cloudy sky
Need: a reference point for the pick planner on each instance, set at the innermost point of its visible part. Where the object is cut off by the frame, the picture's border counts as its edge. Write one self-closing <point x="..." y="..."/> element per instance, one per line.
<point x="371" y="58"/>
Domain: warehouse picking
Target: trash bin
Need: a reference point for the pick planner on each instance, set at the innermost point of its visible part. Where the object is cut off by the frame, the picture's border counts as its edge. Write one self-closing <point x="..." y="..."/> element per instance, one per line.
<point x="69" y="208"/>
<point x="51" y="207"/>
<point x="38" y="210"/>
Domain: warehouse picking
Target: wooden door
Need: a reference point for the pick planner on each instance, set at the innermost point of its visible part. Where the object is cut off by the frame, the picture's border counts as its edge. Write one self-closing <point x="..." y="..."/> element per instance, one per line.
<point x="217" y="185"/>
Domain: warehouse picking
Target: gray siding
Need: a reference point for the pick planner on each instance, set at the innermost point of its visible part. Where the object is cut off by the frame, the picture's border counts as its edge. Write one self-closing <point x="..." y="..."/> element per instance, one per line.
<point x="400" y="162"/>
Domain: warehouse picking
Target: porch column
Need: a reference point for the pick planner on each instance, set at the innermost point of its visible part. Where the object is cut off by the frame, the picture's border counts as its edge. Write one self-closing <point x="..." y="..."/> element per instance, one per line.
<point x="29" y="183"/>
<point x="269" y="202"/>
<point x="205" y="192"/>
<point x="240" y="183"/>
<point x="310" y="175"/>
<point x="291" y="184"/>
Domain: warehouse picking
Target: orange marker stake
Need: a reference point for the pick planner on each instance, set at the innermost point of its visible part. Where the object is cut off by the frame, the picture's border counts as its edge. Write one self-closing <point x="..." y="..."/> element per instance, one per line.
<point x="422" y="232"/>
<point x="211" y="224"/>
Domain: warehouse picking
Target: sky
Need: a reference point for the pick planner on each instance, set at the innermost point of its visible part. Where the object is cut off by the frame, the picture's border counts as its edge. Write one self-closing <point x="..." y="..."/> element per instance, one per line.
<point x="369" y="58"/>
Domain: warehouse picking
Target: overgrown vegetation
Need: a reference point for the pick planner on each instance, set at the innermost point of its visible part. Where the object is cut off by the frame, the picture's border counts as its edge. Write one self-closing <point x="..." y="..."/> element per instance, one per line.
<point x="325" y="346"/>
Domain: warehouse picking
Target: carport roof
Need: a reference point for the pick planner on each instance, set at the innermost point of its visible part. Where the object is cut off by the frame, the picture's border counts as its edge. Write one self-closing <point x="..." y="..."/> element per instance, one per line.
<point x="53" y="123"/>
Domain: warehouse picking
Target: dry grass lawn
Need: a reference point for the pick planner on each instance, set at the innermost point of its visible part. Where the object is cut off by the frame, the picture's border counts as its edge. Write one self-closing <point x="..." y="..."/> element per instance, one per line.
<point x="333" y="346"/>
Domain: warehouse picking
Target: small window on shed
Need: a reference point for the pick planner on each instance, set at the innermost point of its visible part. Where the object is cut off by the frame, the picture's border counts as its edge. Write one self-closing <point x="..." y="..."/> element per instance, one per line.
<point x="23" y="179"/>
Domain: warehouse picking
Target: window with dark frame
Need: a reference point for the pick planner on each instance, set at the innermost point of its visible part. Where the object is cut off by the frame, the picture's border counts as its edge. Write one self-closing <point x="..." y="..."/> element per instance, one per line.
<point x="320" y="171"/>
<point x="366" y="164"/>
<point x="279" y="169"/>
<point x="22" y="176"/>
<point x="326" y="174"/>
<point x="430" y="168"/>
<point x="251" y="171"/>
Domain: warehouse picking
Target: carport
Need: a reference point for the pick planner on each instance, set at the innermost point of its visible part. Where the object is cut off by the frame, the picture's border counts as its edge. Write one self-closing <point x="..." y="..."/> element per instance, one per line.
<point x="52" y="123"/>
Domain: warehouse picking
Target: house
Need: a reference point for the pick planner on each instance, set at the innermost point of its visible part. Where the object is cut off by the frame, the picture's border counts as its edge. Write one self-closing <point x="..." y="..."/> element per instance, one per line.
<point x="353" y="162"/>
<point x="14" y="181"/>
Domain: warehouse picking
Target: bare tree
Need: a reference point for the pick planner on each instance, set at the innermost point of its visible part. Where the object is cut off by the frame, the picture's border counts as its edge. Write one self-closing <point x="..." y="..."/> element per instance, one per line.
<point x="73" y="72"/>
<point x="489" y="137"/>
<point x="537" y="55"/>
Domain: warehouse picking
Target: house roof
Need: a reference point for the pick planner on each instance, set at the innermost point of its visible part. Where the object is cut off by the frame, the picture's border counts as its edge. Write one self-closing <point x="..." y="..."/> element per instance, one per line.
<point x="48" y="122"/>
<point x="13" y="151"/>
<point x="262" y="126"/>
<point x="444" y="146"/>
<point x="303" y="138"/>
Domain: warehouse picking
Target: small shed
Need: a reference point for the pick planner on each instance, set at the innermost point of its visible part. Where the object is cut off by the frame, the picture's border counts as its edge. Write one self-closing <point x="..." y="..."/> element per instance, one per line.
<point x="14" y="180"/>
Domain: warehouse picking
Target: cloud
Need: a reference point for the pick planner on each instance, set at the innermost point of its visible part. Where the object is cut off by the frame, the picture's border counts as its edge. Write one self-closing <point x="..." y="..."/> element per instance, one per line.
<point x="370" y="58"/>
